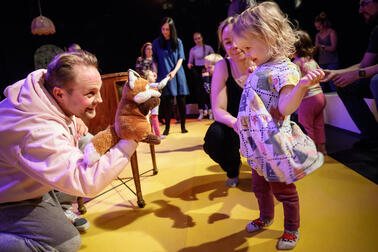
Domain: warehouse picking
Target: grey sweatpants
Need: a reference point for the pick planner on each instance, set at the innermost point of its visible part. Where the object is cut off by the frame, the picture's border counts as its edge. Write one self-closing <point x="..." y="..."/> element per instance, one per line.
<point x="37" y="225"/>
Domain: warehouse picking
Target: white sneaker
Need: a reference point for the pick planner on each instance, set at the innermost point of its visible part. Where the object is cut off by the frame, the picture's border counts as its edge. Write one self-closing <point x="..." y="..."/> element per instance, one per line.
<point x="288" y="240"/>
<point x="80" y="223"/>
<point x="211" y="117"/>
<point x="200" y="117"/>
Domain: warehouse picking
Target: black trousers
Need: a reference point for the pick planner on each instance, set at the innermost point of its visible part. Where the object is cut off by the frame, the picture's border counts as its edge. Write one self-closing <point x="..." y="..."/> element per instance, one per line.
<point x="202" y="97"/>
<point x="166" y="110"/>
<point x="222" y="145"/>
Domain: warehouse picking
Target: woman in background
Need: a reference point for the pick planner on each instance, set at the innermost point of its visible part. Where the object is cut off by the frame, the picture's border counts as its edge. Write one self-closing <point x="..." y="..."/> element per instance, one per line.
<point x="168" y="55"/>
<point x="196" y="63"/>
<point x="144" y="61"/>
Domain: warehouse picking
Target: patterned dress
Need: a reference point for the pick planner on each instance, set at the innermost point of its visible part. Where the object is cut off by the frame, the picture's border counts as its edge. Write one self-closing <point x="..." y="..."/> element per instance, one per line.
<point x="273" y="145"/>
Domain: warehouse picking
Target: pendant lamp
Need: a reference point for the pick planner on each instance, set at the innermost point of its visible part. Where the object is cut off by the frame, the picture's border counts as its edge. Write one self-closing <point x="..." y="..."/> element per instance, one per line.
<point x="42" y="25"/>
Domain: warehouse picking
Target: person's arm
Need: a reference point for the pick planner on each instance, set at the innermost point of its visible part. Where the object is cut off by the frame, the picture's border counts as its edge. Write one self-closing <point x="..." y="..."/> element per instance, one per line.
<point x="181" y="57"/>
<point x="353" y="74"/>
<point x="291" y="96"/>
<point x="174" y="71"/>
<point x="219" y="94"/>
<point x="49" y="157"/>
<point x="346" y="76"/>
<point x="191" y="59"/>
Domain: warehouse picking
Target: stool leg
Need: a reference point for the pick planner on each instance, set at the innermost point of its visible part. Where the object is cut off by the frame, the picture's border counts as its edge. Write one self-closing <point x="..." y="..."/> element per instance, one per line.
<point x="80" y="205"/>
<point x="152" y="150"/>
<point x="135" y="170"/>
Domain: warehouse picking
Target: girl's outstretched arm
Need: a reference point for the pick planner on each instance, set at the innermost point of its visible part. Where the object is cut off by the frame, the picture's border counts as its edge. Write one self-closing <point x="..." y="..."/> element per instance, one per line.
<point x="291" y="96"/>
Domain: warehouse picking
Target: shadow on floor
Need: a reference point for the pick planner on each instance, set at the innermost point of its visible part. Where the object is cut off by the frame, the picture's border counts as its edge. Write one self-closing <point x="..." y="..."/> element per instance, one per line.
<point x="339" y="146"/>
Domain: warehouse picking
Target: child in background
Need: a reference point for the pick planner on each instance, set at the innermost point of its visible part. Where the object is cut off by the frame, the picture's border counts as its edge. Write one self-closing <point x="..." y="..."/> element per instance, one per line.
<point x="151" y="77"/>
<point x="275" y="147"/>
<point x="210" y="61"/>
<point x="310" y="112"/>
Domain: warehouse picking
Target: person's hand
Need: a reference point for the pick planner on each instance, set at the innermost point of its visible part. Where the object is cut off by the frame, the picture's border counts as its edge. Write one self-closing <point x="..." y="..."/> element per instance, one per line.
<point x="235" y="127"/>
<point x="81" y="128"/>
<point x="171" y="75"/>
<point x="190" y="66"/>
<point x="311" y="78"/>
<point x="341" y="79"/>
<point x="329" y="75"/>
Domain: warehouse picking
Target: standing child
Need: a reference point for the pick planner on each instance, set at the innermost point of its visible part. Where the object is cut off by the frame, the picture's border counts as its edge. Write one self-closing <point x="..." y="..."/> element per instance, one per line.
<point x="275" y="147"/>
<point x="151" y="77"/>
<point x="210" y="61"/>
<point x="310" y="112"/>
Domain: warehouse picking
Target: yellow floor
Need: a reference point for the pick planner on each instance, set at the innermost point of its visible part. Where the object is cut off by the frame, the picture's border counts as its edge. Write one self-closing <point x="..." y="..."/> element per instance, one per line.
<point x="188" y="207"/>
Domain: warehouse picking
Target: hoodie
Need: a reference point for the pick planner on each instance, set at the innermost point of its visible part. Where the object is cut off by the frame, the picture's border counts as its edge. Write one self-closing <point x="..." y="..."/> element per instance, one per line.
<point x="38" y="147"/>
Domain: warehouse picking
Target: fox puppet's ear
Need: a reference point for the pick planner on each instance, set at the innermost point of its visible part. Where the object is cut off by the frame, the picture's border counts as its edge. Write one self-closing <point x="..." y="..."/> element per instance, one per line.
<point x="133" y="76"/>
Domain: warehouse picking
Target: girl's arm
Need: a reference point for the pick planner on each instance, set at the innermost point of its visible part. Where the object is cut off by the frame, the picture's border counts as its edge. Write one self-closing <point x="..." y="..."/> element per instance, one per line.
<point x="219" y="94"/>
<point x="291" y="96"/>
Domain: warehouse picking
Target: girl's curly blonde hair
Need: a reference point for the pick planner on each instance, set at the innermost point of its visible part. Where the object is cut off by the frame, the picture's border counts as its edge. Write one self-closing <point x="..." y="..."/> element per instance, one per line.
<point x="269" y="24"/>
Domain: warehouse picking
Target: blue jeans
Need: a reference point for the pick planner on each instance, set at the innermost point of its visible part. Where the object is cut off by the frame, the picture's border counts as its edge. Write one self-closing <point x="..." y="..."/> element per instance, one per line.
<point x="353" y="98"/>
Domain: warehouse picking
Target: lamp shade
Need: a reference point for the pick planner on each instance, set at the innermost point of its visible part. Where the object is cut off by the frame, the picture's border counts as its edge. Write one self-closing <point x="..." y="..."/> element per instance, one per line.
<point x="42" y="26"/>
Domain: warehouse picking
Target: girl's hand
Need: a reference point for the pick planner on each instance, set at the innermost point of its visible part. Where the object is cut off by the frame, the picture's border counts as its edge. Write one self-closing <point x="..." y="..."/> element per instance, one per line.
<point x="311" y="78"/>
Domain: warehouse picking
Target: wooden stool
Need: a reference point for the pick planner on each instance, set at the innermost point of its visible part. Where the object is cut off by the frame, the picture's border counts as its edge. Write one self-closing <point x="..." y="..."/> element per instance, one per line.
<point x="111" y="92"/>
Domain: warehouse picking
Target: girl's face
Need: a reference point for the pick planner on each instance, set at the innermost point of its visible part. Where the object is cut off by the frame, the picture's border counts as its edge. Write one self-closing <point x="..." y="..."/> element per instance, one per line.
<point x="198" y="39"/>
<point x="151" y="76"/>
<point x="148" y="51"/>
<point x="229" y="45"/>
<point x="209" y="67"/>
<point x="166" y="31"/>
<point x="254" y="49"/>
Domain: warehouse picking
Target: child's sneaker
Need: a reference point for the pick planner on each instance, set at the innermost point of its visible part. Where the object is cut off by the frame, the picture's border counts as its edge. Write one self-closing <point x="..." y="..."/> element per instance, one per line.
<point x="80" y="223"/>
<point x="257" y="225"/>
<point x="288" y="240"/>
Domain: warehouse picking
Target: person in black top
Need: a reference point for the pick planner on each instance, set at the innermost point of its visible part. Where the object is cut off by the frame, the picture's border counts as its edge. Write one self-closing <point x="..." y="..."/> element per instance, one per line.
<point x="221" y="141"/>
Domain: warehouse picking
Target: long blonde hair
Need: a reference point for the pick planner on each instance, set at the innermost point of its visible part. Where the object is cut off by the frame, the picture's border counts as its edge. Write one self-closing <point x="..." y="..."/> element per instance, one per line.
<point x="268" y="23"/>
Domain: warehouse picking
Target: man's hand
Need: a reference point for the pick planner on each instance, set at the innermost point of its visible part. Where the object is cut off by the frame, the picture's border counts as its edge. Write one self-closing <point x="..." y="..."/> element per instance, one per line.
<point x="311" y="78"/>
<point x="339" y="78"/>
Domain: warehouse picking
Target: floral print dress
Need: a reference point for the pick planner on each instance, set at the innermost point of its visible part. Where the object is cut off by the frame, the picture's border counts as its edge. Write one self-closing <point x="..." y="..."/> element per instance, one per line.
<point x="273" y="145"/>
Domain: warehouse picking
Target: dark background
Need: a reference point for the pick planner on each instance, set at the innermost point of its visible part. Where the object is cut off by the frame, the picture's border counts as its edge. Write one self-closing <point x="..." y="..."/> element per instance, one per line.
<point x="115" y="30"/>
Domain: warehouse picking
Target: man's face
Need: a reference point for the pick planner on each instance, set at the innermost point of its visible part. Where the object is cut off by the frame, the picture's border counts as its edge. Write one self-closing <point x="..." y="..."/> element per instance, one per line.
<point x="369" y="9"/>
<point x="82" y="95"/>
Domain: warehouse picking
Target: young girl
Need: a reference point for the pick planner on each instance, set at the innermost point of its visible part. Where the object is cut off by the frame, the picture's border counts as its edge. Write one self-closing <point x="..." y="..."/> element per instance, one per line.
<point x="275" y="147"/>
<point x="151" y="77"/>
<point x="210" y="61"/>
<point x="310" y="112"/>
